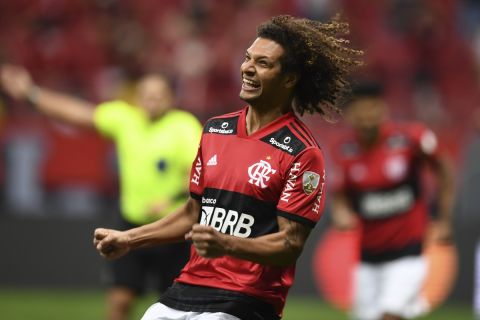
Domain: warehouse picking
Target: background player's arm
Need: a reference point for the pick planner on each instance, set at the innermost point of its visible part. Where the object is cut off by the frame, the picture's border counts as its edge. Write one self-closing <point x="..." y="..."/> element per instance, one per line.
<point x="440" y="163"/>
<point x="113" y="244"/>
<point x="343" y="216"/>
<point x="446" y="197"/>
<point x="277" y="249"/>
<point x="18" y="83"/>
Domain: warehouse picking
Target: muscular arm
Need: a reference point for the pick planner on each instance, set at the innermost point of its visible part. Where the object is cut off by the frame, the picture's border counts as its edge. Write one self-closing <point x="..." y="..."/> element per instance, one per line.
<point x="18" y="83"/>
<point x="113" y="244"/>
<point x="277" y="249"/>
<point x="172" y="228"/>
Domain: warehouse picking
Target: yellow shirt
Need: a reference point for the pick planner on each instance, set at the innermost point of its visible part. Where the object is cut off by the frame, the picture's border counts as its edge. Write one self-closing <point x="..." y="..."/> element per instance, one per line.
<point x="154" y="157"/>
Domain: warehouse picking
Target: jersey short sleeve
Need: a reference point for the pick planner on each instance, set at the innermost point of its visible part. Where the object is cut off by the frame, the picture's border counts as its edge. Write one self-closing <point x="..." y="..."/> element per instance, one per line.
<point x="109" y="116"/>
<point x="425" y="143"/>
<point x="303" y="195"/>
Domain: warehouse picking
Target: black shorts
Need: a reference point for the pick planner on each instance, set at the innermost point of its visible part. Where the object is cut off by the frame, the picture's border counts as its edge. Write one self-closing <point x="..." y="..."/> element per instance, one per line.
<point x="187" y="297"/>
<point x="151" y="268"/>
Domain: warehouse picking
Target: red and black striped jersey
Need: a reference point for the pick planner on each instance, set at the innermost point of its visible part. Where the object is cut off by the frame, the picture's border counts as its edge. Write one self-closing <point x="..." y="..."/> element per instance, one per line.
<point x="383" y="183"/>
<point x="244" y="182"/>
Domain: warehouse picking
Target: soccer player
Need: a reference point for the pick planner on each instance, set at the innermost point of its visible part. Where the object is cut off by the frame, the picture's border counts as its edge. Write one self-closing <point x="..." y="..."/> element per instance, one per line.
<point x="257" y="183"/>
<point x="379" y="188"/>
<point x="156" y="145"/>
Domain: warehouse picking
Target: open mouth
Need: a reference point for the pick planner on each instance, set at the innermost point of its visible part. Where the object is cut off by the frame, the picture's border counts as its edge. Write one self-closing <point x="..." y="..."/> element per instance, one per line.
<point x="248" y="84"/>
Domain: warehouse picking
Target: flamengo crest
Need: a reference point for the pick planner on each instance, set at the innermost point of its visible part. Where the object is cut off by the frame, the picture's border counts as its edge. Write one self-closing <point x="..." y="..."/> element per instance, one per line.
<point x="260" y="173"/>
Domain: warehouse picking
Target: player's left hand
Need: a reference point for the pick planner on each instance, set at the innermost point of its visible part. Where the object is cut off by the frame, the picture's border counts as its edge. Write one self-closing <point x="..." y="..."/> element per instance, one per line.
<point x="208" y="242"/>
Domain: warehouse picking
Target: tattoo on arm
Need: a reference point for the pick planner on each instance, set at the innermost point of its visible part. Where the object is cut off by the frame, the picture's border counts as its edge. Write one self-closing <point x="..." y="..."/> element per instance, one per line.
<point x="294" y="234"/>
<point x="288" y="240"/>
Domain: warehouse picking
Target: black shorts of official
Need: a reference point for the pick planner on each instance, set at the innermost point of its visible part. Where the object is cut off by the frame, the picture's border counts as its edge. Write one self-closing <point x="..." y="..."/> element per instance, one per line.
<point x="150" y="268"/>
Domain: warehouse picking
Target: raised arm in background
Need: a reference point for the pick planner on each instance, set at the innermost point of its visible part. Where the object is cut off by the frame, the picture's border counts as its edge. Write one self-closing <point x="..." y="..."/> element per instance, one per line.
<point x="18" y="83"/>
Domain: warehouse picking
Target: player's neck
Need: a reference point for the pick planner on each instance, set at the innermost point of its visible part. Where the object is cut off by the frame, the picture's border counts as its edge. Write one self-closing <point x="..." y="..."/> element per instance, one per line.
<point x="258" y="118"/>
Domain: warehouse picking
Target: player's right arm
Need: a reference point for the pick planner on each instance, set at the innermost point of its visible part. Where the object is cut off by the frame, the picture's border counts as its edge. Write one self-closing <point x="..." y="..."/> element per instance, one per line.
<point x="17" y="82"/>
<point x="113" y="244"/>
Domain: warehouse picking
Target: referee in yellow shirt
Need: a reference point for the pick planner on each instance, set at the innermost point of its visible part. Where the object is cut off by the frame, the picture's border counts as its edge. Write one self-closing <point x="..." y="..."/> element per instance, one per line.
<point x="156" y="145"/>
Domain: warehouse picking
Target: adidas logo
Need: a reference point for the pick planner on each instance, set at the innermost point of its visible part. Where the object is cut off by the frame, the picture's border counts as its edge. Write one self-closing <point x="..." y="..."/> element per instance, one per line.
<point x="212" y="161"/>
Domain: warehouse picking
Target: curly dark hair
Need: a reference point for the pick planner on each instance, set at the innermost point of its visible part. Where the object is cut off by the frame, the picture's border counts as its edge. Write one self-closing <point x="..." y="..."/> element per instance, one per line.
<point x="317" y="52"/>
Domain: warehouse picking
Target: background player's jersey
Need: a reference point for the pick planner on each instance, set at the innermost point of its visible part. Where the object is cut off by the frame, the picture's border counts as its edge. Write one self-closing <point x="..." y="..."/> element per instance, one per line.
<point x="245" y="181"/>
<point x="383" y="183"/>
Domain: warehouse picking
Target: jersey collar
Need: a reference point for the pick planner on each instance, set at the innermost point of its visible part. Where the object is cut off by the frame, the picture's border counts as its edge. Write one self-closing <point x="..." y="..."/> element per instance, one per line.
<point x="269" y="128"/>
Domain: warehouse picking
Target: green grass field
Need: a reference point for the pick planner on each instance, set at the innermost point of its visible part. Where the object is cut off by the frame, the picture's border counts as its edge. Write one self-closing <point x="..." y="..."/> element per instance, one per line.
<point x="16" y="304"/>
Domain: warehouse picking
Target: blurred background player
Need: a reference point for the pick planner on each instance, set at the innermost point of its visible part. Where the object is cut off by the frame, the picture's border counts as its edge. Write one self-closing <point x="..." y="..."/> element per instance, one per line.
<point x="378" y="188"/>
<point x="156" y="145"/>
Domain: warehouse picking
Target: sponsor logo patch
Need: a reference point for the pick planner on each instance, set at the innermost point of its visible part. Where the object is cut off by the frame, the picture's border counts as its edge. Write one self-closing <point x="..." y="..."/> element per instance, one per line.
<point x="220" y="131"/>
<point x="221" y="126"/>
<point x="310" y="181"/>
<point x="385" y="204"/>
<point x="281" y="145"/>
<point x="227" y="221"/>
<point x="209" y="200"/>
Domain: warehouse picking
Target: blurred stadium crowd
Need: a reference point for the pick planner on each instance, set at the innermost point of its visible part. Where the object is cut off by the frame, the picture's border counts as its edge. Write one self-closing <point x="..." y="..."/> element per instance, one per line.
<point x="426" y="52"/>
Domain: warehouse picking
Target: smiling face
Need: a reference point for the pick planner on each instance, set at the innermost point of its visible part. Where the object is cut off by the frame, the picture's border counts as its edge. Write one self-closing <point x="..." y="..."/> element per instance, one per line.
<point x="263" y="83"/>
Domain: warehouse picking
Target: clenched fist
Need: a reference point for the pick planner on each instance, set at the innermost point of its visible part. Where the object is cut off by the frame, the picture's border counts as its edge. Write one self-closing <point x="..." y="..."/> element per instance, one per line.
<point x="208" y="242"/>
<point x="111" y="244"/>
